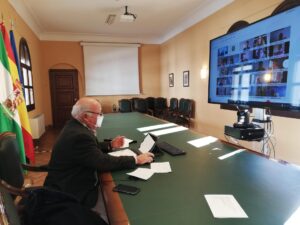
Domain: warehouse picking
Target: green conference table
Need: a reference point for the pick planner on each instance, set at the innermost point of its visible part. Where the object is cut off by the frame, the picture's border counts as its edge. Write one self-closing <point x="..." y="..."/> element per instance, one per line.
<point x="268" y="191"/>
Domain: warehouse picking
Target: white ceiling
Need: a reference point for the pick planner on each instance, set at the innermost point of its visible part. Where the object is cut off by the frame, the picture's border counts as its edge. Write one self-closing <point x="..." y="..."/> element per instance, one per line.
<point x="79" y="20"/>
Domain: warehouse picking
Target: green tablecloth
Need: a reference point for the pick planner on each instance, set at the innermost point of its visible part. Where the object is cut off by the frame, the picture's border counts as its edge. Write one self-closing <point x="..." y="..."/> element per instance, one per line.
<point x="269" y="192"/>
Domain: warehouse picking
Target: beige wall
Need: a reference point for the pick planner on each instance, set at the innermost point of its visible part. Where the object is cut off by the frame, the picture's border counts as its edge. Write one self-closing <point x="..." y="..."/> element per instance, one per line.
<point x="22" y="30"/>
<point x="65" y="55"/>
<point x="190" y="51"/>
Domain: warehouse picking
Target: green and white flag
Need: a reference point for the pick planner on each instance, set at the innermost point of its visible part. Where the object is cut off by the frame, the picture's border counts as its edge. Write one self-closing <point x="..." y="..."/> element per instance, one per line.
<point x="9" y="117"/>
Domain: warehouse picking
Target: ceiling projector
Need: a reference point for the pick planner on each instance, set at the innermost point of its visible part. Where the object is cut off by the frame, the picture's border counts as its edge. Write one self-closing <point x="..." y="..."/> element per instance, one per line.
<point x="127" y="16"/>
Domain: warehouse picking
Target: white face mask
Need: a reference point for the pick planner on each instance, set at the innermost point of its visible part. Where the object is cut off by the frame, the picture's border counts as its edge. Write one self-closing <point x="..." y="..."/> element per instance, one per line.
<point x="99" y="120"/>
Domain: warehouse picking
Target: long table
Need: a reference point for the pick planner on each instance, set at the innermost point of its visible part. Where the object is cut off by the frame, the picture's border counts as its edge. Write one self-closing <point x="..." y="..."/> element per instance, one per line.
<point x="269" y="192"/>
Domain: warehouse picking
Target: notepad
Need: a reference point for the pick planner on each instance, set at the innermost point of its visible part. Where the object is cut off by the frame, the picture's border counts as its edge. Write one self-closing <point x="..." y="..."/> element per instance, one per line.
<point x="225" y="206"/>
<point x="125" y="152"/>
<point x="142" y="173"/>
<point x="161" y="167"/>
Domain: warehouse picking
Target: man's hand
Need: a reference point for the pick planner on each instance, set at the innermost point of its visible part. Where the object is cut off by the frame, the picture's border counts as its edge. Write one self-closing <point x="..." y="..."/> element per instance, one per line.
<point x="144" y="158"/>
<point x="117" y="142"/>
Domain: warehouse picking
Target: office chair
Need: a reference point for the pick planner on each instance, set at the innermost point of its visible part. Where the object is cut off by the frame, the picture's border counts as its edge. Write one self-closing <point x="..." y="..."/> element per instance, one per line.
<point x="44" y="206"/>
<point x="160" y="106"/>
<point x="11" y="169"/>
<point x="37" y="205"/>
<point x="134" y="102"/>
<point x="172" y="109"/>
<point x="150" y="101"/>
<point x="125" y="105"/>
<point x="8" y="211"/>
<point x="184" y="113"/>
<point x="142" y="105"/>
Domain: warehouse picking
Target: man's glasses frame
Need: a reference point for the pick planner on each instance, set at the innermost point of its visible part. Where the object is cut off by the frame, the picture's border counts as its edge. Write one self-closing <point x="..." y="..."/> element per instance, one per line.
<point x="99" y="114"/>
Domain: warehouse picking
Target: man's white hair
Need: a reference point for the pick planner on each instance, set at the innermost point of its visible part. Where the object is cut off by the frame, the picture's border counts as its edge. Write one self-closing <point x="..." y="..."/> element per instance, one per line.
<point x="82" y="106"/>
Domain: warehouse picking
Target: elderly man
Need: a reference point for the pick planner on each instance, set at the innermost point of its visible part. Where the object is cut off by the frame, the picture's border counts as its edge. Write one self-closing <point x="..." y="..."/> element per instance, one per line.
<point x="77" y="156"/>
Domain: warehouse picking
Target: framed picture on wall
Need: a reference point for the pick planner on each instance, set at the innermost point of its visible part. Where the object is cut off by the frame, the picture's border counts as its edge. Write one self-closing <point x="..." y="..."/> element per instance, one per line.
<point x="171" y="80"/>
<point x="186" y="78"/>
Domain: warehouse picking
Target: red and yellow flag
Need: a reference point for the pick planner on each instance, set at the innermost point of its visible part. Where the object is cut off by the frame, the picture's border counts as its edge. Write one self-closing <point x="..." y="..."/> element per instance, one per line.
<point x="20" y="102"/>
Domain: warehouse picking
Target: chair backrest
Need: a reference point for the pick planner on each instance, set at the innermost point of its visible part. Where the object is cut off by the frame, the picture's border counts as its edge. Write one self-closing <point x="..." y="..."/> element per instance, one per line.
<point x="181" y="106"/>
<point x="134" y="102"/>
<point x="8" y="211"/>
<point x="188" y="108"/>
<point x="142" y="105"/>
<point x="10" y="166"/>
<point x="125" y="105"/>
<point x="160" y="103"/>
<point x="150" y="101"/>
<point x="173" y="104"/>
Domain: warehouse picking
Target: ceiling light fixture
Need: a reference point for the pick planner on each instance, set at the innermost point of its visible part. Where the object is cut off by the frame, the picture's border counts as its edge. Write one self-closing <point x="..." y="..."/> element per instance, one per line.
<point x="127" y="16"/>
<point x="110" y="19"/>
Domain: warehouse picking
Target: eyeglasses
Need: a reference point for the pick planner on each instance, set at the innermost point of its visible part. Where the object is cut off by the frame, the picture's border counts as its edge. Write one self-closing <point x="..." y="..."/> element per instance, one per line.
<point x="100" y="114"/>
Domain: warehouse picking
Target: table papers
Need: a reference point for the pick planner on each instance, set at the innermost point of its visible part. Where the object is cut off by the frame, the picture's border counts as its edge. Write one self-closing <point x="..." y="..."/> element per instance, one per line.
<point x="147" y="144"/>
<point x="200" y="142"/>
<point x="161" y="167"/>
<point x="154" y="127"/>
<point x="225" y="206"/>
<point x="126" y="143"/>
<point x="125" y="152"/>
<point x="167" y="131"/>
<point x="142" y="173"/>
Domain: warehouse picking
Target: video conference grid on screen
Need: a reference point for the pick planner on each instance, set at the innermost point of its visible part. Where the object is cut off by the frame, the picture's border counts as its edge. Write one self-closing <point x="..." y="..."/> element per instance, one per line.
<point x="257" y="57"/>
<point x="247" y="68"/>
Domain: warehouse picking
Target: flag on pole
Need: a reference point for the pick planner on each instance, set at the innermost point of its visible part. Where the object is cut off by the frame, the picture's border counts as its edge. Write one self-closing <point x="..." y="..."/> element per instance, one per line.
<point x="9" y="117"/>
<point x="26" y="129"/>
<point x="13" y="45"/>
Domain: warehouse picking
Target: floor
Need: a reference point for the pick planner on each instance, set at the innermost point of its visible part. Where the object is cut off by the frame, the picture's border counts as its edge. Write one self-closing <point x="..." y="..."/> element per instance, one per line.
<point x="43" y="149"/>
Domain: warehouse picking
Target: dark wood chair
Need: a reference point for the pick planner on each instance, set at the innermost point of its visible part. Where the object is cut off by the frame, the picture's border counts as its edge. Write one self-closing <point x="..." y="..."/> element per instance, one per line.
<point x="8" y="210"/>
<point x="184" y="114"/>
<point x="160" y="107"/>
<point x="172" y="109"/>
<point x="150" y="101"/>
<point x="134" y="102"/>
<point x="37" y="205"/>
<point x="142" y="106"/>
<point x="125" y="105"/>
<point x="11" y="168"/>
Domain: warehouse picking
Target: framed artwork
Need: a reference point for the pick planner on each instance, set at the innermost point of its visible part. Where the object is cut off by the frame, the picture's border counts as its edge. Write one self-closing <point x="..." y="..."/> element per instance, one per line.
<point x="186" y="78"/>
<point x="171" y="80"/>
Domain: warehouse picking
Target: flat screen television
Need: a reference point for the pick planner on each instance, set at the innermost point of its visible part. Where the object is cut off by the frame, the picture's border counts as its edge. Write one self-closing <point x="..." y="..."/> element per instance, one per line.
<point x="259" y="65"/>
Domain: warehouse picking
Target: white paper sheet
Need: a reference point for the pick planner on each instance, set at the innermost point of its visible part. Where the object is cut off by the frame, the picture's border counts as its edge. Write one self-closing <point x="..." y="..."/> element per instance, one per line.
<point x="200" y="142"/>
<point x="126" y="143"/>
<point x="142" y="173"/>
<point x="147" y="144"/>
<point x="161" y="167"/>
<point x="167" y="131"/>
<point x="225" y="206"/>
<point x="125" y="152"/>
<point x="154" y="127"/>
<point x="231" y="154"/>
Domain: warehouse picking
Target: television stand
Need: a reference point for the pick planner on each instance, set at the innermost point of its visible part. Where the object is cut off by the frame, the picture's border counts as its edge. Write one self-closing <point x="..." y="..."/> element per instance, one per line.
<point x="254" y="133"/>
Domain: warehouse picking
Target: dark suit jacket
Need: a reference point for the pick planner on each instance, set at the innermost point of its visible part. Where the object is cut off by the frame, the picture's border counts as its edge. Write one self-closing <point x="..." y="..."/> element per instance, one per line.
<point x="76" y="158"/>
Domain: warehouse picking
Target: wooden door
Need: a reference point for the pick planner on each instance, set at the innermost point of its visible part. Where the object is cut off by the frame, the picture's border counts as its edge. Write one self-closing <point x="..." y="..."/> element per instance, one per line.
<point x="64" y="93"/>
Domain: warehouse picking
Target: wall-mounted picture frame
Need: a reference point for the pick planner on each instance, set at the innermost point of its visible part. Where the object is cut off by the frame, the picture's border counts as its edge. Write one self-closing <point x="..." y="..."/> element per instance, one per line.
<point x="186" y="78"/>
<point x="171" y="80"/>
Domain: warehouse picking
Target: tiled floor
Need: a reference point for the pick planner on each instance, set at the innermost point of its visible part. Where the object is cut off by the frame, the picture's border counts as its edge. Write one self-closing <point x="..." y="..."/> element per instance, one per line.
<point x="42" y="156"/>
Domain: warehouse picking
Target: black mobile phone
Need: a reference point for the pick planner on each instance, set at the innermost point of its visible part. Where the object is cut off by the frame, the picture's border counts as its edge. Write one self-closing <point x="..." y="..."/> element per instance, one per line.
<point x="127" y="189"/>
